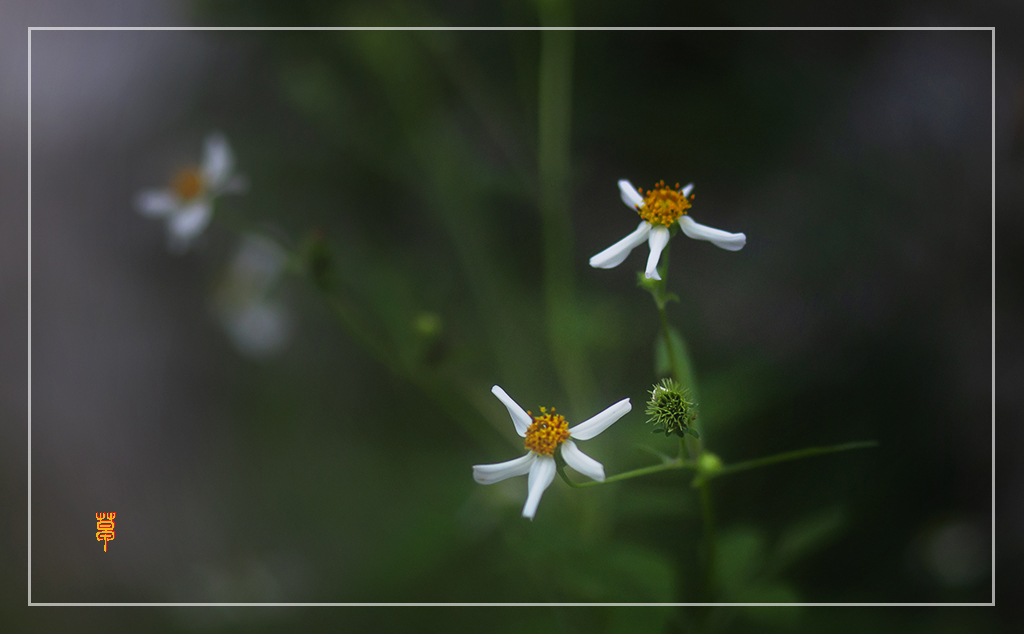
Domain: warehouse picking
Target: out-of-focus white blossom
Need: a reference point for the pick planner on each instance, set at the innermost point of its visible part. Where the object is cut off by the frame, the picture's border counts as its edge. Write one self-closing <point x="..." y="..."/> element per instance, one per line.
<point x="257" y="322"/>
<point x="187" y="204"/>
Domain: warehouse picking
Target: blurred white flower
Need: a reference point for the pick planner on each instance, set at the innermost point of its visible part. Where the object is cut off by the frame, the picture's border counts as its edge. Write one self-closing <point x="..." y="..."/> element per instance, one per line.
<point x="956" y="552"/>
<point x="659" y="208"/>
<point x="257" y="324"/>
<point x="187" y="205"/>
<point x="544" y="434"/>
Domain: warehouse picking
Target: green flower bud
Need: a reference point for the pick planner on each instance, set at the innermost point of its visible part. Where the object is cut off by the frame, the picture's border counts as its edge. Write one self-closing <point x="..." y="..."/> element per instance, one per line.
<point x="709" y="463"/>
<point x="670" y="410"/>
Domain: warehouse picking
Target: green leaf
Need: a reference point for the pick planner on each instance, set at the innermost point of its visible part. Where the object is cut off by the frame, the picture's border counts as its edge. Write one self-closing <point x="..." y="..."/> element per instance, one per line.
<point x="662" y="367"/>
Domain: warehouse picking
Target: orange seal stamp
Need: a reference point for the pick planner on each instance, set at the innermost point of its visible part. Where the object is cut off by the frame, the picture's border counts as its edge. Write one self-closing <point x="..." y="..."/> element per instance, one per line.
<point x="105" y="528"/>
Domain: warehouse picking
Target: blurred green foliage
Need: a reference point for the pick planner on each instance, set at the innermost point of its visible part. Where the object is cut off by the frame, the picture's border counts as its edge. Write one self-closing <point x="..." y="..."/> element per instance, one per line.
<point x="416" y="159"/>
<point x="409" y="170"/>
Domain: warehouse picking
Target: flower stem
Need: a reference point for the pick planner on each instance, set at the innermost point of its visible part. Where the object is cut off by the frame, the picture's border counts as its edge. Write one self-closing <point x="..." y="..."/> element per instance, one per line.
<point x="678" y="463"/>
<point x="708" y="511"/>
<point x="459" y="409"/>
<point x="554" y="120"/>
<point x="681" y="463"/>
<point x="687" y="446"/>
<point x="666" y="333"/>
<point x="795" y="455"/>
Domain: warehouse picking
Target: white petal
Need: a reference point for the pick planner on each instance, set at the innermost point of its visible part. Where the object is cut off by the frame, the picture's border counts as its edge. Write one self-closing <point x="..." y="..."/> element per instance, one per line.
<point x="615" y="254"/>
<point x="629" y="195"/>
<point x="687" y="190"/>
<point x="189" y="223"/>
<point x="717" y="237"/>
<point x="217" y="160"/>
<point x="542" y="473"/>
<point x="519" y="416"/>
<point x="491" y="473"/>
<point x="594" y="426"/>
<point x="658" y="240"/>
<point x="582" y="462"/>
<point x="156" y="202"/>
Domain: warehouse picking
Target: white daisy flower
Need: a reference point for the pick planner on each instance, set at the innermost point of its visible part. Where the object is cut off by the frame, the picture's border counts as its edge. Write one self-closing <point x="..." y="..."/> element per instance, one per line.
<point x="257" y="323"/>
<point x="659" y="208"/>
<point x="187" y="204"/>
<point x="544" y="434"/>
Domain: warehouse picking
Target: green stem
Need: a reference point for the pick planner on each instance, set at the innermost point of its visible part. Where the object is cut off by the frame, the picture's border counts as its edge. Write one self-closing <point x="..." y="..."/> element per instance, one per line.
<point x="680" y="463"/>
<point x="666" y="333"/>
<point x="671" y="465"/>
<point x="554" y="121"/>
<point x="687" y="446"/>
<point x="456" y="407"/>
<point x="794" y="455"/>
<point x="708" y="511"/>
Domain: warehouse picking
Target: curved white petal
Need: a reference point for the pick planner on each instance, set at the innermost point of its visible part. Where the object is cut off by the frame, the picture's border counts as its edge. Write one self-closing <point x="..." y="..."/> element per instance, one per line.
<point x="218" y="160"/>
<point x="615" y="254"/>
<point x="519" y="416"/>
<point x="597" y="424"/>
<point x="630" y="195"/>
<point x="717" y="237"/>
<point x="582" y="462"/>
<point x="687" y="190"/>
<point x="491" y="473"/>
<point x="156" y="202"/>
<point x="188" y="223"/>
<point x="658" y="239"/>
<point x="542" y="473"/>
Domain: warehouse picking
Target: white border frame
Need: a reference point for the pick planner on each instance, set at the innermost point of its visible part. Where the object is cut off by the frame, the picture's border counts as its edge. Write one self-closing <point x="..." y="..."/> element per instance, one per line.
<point x="31" y="29"/>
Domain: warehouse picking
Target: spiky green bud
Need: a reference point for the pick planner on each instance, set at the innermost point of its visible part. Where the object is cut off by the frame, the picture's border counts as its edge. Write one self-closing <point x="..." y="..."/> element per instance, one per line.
<point x="670" y="409"/>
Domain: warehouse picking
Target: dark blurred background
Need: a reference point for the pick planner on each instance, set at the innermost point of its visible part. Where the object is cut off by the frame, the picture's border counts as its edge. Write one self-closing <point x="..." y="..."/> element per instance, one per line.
<point x="403" y="168"/>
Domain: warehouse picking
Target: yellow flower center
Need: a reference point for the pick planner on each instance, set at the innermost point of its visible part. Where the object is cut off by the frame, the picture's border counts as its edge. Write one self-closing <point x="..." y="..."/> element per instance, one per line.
<point x="188" y="183"/>
<point x="546" y="432"/>
<point x="663" y="206"/>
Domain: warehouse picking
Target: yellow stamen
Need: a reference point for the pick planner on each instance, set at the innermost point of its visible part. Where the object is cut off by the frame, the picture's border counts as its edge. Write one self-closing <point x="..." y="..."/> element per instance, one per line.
<point x="188" y="183"/>
<point x="546" y="432"/>
<point x="663" y="206"/>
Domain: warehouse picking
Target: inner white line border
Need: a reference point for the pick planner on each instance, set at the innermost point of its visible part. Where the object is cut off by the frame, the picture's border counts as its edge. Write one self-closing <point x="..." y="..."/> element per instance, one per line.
<point x="31" y="29"/>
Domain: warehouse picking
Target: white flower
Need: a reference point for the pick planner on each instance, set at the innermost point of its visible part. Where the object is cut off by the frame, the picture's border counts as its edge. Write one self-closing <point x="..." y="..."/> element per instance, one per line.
<point x="187" y="204"/>
<point x="257" y="324"/>
<point x="659" y="208"/>
<point x="544" y="434"/>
